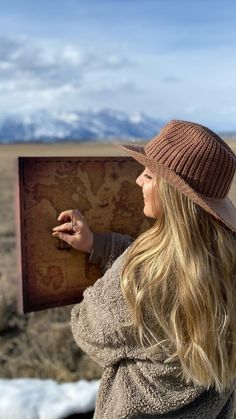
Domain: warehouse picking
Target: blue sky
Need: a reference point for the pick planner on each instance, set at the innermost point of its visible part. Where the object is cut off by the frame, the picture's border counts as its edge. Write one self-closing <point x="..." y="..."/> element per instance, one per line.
<point x="165" y="58"/>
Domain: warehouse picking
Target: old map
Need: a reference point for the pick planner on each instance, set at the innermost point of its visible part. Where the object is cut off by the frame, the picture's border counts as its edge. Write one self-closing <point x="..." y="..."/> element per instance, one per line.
<point x="103" y="189"/>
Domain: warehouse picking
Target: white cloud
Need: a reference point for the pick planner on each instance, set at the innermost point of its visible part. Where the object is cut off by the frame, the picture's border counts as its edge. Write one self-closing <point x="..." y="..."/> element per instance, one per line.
<point x="72" y="55"/>
<point x="40" y="74"/>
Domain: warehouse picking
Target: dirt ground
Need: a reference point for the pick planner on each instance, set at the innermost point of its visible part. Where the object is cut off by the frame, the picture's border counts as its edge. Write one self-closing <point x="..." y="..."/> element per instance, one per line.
<point x="39" y="344"/>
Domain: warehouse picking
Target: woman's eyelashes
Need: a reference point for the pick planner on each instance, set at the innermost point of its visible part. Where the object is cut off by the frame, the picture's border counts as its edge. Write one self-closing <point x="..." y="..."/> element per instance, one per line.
<point x="148" y="176"/>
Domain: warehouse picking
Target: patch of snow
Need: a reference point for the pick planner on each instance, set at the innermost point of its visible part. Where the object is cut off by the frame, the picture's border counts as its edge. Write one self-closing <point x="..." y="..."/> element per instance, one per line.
<point x="136" y="118"/>
<point x="69" y="117"/>
<point x="24" y="398"/>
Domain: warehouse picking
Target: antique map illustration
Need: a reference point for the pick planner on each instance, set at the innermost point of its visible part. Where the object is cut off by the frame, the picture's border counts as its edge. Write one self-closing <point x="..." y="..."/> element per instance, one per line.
<point x="103" y="189"/>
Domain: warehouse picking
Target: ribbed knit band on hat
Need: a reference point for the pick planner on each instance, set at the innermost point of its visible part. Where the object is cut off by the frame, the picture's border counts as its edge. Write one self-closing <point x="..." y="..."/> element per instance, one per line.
<point x="196" y="161"/>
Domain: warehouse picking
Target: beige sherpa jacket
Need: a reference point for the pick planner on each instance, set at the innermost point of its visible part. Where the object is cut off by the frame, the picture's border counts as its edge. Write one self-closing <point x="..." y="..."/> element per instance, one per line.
<point x="134" y="384"/>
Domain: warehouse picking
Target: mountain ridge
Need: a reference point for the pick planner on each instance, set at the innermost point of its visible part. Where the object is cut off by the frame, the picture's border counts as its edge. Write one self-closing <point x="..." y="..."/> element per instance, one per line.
<point x="49" y="127"/>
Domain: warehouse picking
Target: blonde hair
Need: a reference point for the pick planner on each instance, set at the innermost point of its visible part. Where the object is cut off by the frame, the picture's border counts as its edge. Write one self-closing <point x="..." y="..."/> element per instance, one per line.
<point x="182" y="274"/>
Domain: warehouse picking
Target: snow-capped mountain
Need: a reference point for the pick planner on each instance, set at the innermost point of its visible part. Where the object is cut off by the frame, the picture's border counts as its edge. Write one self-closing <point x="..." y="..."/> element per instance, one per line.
<point x="59" y="126"/>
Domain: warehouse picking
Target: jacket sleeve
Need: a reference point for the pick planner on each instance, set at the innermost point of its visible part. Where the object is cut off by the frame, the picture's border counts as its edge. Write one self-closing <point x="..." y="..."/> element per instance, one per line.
<point x="108" y="247"/>
<point x="96" y="325"/>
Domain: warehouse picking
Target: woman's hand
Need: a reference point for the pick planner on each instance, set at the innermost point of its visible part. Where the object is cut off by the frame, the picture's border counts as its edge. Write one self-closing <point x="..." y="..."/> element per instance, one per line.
<point x="74" y="230"/>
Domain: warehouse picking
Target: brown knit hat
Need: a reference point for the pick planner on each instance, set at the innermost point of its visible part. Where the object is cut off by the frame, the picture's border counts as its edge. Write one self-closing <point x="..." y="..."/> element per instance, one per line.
<point x="197" y="162"/>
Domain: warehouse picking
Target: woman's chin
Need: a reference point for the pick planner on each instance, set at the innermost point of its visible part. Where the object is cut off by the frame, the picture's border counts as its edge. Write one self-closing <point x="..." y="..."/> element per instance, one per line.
<point x="148" y="213"/>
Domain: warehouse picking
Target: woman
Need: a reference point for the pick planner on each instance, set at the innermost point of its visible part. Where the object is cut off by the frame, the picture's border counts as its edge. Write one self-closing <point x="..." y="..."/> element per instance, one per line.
<point x="161" y="321"/>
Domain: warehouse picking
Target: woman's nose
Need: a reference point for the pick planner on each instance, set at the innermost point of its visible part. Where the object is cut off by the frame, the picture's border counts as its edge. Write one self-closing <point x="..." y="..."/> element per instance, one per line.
<point x="139" y="181"/>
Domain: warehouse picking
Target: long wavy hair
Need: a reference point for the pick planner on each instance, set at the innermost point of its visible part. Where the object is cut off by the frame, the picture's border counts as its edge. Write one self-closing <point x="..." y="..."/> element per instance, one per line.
<point x="181" y="273"/>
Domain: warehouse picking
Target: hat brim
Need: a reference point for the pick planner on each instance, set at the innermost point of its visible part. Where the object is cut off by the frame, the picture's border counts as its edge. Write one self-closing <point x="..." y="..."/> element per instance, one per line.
<point x="222" y="209"/>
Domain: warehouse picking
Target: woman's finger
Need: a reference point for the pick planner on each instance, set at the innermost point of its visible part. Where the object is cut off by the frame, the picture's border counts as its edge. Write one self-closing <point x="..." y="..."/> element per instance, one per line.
<point x="65" y="214"/>
<point x="70" y="214"/>
<point x="64" y="227"/>
<point x="73" y="240"/>
<point x="63" y="236"/>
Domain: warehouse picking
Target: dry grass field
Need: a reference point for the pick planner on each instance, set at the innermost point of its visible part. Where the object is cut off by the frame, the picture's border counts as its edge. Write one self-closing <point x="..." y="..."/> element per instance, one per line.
<point x="39" y="344"/>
